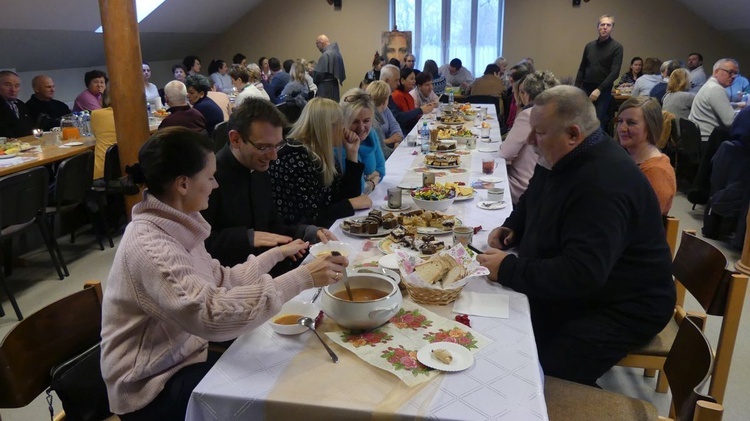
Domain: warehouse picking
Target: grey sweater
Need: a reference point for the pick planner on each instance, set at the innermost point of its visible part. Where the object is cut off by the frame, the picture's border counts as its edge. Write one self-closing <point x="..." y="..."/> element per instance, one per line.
<point x="711" y="108"/>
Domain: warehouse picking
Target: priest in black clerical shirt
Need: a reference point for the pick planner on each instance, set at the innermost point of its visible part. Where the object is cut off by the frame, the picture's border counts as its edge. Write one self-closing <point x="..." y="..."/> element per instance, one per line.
<point x="44" y="109"/>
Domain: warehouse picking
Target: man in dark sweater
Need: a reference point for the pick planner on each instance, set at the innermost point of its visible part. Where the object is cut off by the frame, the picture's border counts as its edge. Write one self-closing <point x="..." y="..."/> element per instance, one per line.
<point x="44" y="109"/>
<point x="600" y="66"/>
<point x="242" y="215"/>
<point x="180" y="112"/>
<point x="592" y="253"/>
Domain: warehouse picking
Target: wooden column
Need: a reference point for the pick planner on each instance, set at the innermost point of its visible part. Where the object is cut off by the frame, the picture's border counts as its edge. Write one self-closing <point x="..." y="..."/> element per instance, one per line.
<point x="743" y="265"/>
<point x="122" y="47"/>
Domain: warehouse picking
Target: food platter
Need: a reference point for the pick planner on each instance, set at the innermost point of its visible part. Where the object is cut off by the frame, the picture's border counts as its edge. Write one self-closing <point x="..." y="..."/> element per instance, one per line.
<point x="461" y="198"/>
<point x="361" y="219"/>
<point x="388" y="246"/>
<point x="439" y="167"/>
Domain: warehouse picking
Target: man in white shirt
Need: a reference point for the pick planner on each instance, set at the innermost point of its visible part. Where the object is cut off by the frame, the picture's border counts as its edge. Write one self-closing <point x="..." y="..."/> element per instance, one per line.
<point x="711" y="107"/>
<point x="697" y="75"/>
<point x="456" y="75"/>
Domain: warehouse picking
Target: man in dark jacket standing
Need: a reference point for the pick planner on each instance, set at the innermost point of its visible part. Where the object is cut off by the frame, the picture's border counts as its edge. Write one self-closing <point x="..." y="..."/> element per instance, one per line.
<point x="592" y="254"/>
<point x="600" y="67"/>
<point x="329" y="72"/>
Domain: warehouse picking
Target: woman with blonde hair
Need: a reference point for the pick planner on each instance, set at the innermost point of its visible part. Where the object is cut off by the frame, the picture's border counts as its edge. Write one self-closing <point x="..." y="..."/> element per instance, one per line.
<point x="311" y="182"/>
<point x="639" y="126"/>
<point x="296" y="90"/>
<point x="359" y="112"/>
<point x="256" y="79"/>
<point x="678" y="100"/>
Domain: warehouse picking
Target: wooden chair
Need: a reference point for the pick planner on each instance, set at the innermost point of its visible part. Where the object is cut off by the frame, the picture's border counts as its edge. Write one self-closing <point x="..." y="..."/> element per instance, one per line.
<point x="699" y="268"/>
<point x="45" y="339"/>
<point x="689" y="364"/>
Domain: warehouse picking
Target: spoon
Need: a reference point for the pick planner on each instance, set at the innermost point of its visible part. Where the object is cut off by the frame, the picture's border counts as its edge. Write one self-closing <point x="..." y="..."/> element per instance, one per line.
<point x="310" y="324"/>
<point x="317" y="293"/>
<point x="344" y="278"/>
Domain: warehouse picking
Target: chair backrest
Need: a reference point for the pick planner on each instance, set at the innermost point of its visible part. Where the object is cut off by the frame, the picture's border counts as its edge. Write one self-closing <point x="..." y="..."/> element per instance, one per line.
<point x="112" y="169"/>
<point x="73" y="179"/>
<point x="690" y="139"/>
<point x="291" y="111"/>
<point x="45" y="339"/>
<point x="22" y="196"/>
<point x="488" y="99"/>
<point x="701" y="268"/>
<point x="220" y="135"/>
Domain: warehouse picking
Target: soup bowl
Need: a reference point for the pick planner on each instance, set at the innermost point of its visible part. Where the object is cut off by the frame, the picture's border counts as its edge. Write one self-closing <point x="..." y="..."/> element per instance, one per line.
<point x="362" y="315"/>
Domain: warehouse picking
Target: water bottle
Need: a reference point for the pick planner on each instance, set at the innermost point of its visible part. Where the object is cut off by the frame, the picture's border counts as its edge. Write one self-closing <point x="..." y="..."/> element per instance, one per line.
<point x="148" y="109"/>
<point x="424" y="138"/>
<point x="450" y="97"/>
<point x="86" y="126"/>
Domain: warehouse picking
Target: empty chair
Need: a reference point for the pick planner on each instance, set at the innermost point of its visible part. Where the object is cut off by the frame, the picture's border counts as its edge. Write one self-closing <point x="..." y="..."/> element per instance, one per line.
<point x="688" y="366"/>
<point x="73" y="180"/>
<point x="220" y="135"/>
<point x="23" y="197"/>
<point x="47" y="338"/>
<point x="700" y="268"/>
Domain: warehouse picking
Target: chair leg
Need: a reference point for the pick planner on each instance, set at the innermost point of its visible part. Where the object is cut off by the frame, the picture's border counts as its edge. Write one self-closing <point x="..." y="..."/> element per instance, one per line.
<point x="10" y="297"/>
<point x="662" y="385"/>
<point x="8" y="257"/>
<point x="56" y="247"/>
<point x="50" y="248"/>
<point x="648" y="372"/>
<point x="94" y="226"/>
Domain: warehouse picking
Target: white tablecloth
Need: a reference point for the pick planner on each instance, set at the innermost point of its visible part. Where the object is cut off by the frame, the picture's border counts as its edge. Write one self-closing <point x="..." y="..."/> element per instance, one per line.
<point x="505" y="381"/>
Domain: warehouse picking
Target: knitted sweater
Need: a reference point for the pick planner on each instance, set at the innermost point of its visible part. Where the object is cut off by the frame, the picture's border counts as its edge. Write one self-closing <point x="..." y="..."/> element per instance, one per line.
<point x="166" y="298"/>
<point x="661" y="175"/>
<point x="711" y="108"/>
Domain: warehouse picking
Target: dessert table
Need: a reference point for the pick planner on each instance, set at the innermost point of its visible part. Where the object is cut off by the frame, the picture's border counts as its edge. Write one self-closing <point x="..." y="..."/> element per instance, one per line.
<point x="264" y="375"/>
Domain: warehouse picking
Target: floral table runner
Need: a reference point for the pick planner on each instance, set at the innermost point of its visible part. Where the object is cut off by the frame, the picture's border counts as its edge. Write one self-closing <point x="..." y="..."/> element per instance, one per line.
<point x="393" y="347"/>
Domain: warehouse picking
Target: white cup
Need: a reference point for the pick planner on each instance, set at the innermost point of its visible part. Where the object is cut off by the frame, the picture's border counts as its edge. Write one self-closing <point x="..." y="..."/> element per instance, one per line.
<point x="495" y="194"/>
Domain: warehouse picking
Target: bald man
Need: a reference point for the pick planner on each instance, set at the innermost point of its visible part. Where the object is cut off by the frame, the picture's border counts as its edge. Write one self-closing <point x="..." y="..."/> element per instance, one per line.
<point x="44" y="109"/>
<point x="329" y="72"/>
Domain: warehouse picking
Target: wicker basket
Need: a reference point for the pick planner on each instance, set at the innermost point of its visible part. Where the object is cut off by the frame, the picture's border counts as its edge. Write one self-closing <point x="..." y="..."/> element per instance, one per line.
<point x="432" y="296"/>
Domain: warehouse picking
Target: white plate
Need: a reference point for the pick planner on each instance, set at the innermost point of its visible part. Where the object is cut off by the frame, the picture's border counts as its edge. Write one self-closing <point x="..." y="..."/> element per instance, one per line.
<point x="491" y="205"/>
<point x="438" y="231"/>
<point x="409" y="186"/>
<point x="487" y="150"/>
<point x="488" y="140"/>
<point x="444" y="167"/>
<point x="463" y="198"/>
<point x="462" y="357"/>
<point x="8" y="156"/>
<point x="389" y="261"/>
<point x="72" y="144"/>
<point x="404" y="206"/>
<point x="324" y="248"/>
<point x="490" y="179"/>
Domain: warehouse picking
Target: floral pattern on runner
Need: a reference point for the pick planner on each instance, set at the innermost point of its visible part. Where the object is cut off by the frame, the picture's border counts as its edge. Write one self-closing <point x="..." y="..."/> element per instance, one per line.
<point x="371" y="338"/>
<point x="455" y="335"/>
<point x="410" y="320"/>
<point x="405" y="359"/>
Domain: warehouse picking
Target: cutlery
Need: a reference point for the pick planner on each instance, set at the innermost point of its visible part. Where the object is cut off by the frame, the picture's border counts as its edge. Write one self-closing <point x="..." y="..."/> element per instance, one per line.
<point x="493" y="203"/>
<point x="474" y="249"/>
<point x="310" y="324"/>
<point x="344" y="278"/>
<point x="317" y="293"/>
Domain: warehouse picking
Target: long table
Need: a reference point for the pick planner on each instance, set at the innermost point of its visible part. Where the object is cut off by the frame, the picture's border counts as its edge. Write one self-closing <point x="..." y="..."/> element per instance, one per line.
<point x="49" y="153"/>
<point x="505" y="381"/>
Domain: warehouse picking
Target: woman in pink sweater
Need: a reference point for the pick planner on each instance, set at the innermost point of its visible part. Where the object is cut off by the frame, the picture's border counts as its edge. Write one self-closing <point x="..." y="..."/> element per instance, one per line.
<point x="166" y="297"/>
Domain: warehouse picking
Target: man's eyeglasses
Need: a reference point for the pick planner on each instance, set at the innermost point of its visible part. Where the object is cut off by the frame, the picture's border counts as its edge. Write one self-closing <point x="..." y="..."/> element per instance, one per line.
<point x="265" y="148"/>
<point x="357" y="97"/>
<point x="730" y="72"/>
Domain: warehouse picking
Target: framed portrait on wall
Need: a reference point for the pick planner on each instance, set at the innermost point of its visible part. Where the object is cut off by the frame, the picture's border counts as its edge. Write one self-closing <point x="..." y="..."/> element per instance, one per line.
<point x="395" y="44"/>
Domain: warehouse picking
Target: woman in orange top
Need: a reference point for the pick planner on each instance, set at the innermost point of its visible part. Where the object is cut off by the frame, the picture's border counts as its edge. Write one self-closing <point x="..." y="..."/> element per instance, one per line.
<point x="639" y="125"/>
<point x="401" y="95"/>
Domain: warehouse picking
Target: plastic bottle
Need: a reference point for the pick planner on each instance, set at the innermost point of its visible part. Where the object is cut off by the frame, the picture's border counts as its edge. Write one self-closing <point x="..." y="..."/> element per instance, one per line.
<point x="148" y="109"/>
<point x="450" y="97"/>
<point x="424" y="138"/>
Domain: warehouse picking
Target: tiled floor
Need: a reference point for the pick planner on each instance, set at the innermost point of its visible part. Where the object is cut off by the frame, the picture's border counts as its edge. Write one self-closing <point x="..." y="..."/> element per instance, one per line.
<point x="37" y="285"/>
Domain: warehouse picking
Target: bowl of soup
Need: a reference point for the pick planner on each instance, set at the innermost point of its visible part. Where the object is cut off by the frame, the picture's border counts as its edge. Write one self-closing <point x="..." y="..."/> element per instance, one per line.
<point x="377" y="298"/>
<point x="285" y="321"/>
<point x="325" y="249"/>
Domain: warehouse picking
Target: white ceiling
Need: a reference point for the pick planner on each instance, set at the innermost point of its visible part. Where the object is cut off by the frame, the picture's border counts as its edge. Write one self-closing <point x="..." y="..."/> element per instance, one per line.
<point x="64" y="30"/>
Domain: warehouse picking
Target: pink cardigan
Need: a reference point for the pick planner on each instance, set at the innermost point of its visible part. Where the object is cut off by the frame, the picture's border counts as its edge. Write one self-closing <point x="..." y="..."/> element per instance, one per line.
<point x="521" y="157"/>
<point x="166" y="298"/>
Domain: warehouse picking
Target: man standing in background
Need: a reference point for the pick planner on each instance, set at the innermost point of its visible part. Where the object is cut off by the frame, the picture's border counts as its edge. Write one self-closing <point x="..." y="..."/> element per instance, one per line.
<point x="600" y="66"/>
<point x="697" y="74"/>
<point x="329" y="73"/>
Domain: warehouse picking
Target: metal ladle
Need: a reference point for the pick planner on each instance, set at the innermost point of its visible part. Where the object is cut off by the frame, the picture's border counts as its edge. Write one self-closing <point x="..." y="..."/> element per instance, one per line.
<point x="310" y="324"/>
<point x="344" y="278"/>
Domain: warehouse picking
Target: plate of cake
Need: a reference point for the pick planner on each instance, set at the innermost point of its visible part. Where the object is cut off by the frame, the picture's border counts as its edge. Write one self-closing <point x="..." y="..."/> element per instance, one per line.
<point x="443" y="160"/>
<point x="375" y="224"/>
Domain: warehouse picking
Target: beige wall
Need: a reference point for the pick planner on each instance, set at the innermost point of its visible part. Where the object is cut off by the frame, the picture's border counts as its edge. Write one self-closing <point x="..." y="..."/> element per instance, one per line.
<point x="554" y="33"/>
<point x="288" y="28"/>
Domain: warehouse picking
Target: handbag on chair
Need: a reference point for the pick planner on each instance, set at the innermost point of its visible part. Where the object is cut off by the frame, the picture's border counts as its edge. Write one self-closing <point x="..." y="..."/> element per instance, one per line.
<point x="79" y="384"/>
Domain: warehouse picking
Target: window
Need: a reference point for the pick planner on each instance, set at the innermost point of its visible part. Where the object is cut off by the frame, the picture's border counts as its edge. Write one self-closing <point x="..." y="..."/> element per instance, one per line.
<point x="445" y="29"/>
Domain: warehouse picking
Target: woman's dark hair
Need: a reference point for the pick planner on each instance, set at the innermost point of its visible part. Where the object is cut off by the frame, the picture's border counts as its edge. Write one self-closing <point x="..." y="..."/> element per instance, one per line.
<point x="394" y="61"/>
<point x="179" y="66"/>
<point x="189" y="61"/>
<point x="403" y="74"/>
<point x="94" y="74"/>
<point x="260" y="61"/>
<point x="273" y="64"/>
<point x="198" y="82"/>
<point x="237" y="59"/>
<point x="431" y="67"/>
<point x="240" y="72"/>
<point x="378" y="59"/>
<point x="634" y="59"/>
<point x="214" y="66"/>
<point x="170" y="153"/>
<point x="423" y="77"/>
<point x="518" y="72"/>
